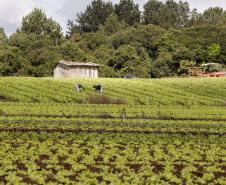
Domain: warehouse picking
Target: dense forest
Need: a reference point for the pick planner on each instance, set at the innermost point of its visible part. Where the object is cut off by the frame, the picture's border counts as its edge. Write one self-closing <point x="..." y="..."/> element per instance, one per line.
<point x="162" y="40"/>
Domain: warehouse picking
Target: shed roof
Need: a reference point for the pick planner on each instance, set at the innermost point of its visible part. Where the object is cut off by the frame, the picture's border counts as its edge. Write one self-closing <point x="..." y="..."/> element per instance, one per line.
<point x="70" y="63"/>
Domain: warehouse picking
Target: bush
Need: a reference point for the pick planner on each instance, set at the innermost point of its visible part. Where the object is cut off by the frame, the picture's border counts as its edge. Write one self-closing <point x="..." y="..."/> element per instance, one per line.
<point x="184" y="66"/>
<point x="103" y="99"/>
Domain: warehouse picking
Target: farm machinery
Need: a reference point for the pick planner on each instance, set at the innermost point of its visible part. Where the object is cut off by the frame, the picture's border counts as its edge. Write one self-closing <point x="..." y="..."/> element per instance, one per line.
<point x="208" y="70"/>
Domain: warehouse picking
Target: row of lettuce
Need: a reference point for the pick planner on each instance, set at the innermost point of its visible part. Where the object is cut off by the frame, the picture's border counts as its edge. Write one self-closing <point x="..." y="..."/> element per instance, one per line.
<point x="111" y="159"/>
<point x="180" y="92"/>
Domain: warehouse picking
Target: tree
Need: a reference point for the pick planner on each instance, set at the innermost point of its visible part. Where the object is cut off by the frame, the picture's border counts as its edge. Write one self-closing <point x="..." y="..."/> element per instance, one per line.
<point x="3" y="36"/>
<point x="10" y="61"/>
<point x="184" y="66"/>
<point x="162" y="65"/>
<point x="70" y="51"/>
<point x="158" y="49"/>
<point x="170" y="14"/>
<point x="183" y="14"/>
<point x="214" y="16"/>
<point x="174" y="14"/>
<point x="195" y="18"/>
<point x="37" y="22"/>
<point x="95" y="15"/>
<point x="92" y="40"/>
<point x="214" y="51"/>
<point x="211" y="16"/>
<point x="39" y="51"/>
<point x="131" y="60"/>
<point x="112" y="25"/>
<point x="129" y="12"/>
<point x="72" y="28"/>
<point x="103" y="55"/>
<point x="151" y="12"/>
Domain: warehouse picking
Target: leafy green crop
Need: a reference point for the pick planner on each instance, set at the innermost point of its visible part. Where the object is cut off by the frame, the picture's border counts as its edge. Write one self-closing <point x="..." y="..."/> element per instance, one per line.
<point x="170" y="131"/>
<point x="173" y="92"/>
<point x="111" y="159"/>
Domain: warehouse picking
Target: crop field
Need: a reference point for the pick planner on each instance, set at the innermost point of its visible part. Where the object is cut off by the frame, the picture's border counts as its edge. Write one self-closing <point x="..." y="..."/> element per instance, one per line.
<point x="187" y="91"/>
<point x="165" y="131"/>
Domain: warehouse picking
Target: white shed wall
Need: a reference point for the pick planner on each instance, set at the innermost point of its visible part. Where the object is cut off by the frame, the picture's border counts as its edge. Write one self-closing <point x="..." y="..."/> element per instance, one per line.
<point x="75" y="72"/>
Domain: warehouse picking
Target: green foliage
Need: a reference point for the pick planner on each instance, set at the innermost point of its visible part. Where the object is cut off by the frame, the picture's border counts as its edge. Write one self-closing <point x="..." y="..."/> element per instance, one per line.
<point x="3" y="37"/>
<point x="112" y="25"/>
<point x="162" y="65"/>
<point x="184" y="66"/>
<point x="95" y="15"/>
<point x="69" y="158"/>
<point x="106" y="71"/>
<point x="39" y="51"/>
<point x="10" y="63"/>
<point x="146" y="49"/>
<point x="214" y="50"/>
<point x="70" y="51"/>
<point x="93" y="40"/>
<point x="36" y="22"/>
<point x="168" y="14"/>
<point x="146" y="36"/>
<point x="42" y="61"/>
<point x="72" y="29"/>
<point x="151" y="11"/>
<point x="129" y="12"/>
<point x="213" y="16"/>
<point x="130" y="60"/>
<point x="118" y="40"/>
<point x="20" y="40"/>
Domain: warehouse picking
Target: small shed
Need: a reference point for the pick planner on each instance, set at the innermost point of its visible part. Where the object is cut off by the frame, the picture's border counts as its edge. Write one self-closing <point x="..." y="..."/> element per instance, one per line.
<point x="68" y="69"/>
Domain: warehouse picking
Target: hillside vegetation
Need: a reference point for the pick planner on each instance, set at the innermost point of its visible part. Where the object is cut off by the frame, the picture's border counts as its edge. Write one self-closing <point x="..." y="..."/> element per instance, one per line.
<point x="163" y="40"/>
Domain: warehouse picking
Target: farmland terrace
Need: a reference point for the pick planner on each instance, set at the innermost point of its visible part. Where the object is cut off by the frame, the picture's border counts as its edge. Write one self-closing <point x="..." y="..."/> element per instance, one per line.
<point x="138" y="131"/>
<point x="170" y="91"/>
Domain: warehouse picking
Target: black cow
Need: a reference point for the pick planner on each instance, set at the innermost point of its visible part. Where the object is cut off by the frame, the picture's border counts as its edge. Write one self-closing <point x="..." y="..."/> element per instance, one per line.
<point x="98" y="88"/>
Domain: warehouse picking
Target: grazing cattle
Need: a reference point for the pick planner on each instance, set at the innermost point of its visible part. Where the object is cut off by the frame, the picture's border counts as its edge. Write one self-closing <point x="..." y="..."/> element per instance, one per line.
<point x="98" y="88"/>
<point x="79" y="87"/>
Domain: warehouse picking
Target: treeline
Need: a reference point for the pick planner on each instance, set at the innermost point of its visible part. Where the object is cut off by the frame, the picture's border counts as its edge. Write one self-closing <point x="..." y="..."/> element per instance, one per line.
<point x="163" y="40"/>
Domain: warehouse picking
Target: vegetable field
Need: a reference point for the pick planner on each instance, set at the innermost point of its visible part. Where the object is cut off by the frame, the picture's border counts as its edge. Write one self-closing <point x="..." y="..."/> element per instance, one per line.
<point x="167" y="131"/>
<point x="177" y="92"/>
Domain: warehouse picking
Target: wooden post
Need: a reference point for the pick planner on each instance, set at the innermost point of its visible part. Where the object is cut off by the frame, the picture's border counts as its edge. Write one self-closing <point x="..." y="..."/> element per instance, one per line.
<point x="123" y="115"/>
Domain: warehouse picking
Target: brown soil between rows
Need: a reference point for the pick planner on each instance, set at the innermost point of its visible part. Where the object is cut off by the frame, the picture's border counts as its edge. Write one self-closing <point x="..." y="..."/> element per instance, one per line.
<point x="103" y="131"/>
<point x="118" y="117"/>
